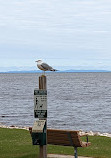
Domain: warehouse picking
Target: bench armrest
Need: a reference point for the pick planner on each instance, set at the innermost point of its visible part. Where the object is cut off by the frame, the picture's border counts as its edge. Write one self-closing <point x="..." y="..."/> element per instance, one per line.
<point x="85" y="135"/>
<point x="82" y="135"/>
<point x="87" y="138"/>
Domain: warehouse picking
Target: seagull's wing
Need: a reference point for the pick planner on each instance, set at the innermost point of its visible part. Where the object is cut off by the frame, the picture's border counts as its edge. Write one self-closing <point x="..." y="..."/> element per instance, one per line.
<point x="46" y="66"/>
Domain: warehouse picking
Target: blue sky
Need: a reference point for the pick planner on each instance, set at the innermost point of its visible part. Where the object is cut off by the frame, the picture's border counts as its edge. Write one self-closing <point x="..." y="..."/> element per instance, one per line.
<point x="72" y="33"/>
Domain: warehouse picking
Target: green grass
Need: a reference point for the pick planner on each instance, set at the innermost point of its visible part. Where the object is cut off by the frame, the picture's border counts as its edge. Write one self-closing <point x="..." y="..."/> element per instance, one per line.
<point x="16" y="143"/>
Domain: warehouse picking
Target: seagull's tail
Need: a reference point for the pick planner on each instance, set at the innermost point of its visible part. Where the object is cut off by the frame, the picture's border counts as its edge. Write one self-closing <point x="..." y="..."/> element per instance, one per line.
<point x="53" y="70"/>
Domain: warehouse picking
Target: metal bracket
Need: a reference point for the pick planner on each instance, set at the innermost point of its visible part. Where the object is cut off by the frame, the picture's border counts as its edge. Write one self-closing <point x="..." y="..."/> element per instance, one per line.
<point x="70" y="139"/>
<point x="72" y="144"/>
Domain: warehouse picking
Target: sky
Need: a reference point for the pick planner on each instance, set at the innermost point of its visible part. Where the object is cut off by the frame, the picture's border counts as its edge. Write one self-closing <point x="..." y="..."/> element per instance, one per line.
<point x="64" y="33"/>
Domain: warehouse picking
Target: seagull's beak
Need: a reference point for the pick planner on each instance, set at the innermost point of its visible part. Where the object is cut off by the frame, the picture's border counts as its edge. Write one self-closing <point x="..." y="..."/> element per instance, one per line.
<point x="38" y="61"/>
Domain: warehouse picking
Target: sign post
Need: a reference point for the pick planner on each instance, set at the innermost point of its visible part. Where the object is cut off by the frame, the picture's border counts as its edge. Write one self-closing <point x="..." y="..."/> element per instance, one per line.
<point x="40" y="112"/>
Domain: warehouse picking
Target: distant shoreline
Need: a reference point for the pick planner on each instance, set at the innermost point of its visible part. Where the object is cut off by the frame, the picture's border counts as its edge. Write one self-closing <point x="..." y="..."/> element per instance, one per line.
<point x="59" y="71"/>
<point x="90" y="133"/>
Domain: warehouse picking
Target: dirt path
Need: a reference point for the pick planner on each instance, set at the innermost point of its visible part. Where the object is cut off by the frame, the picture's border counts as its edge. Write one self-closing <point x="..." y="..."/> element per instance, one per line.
<point x="64" y="156"/>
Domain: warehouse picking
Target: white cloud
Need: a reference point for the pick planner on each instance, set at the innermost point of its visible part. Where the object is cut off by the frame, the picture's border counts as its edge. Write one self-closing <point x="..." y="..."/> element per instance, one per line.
<point x="80" y="29"/>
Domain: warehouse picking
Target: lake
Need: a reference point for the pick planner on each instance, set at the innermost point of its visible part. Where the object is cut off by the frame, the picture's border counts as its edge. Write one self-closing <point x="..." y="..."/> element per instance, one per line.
<point x="75" y="100"/>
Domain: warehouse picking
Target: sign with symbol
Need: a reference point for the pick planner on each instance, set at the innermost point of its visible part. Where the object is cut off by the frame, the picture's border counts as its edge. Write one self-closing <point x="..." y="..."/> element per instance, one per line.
<point x="40" y="103"/>
<point x="39" y="126"/>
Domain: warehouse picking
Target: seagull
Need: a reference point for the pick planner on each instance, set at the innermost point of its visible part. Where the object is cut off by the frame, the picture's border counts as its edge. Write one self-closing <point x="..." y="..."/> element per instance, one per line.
<point x="43" y="66"/>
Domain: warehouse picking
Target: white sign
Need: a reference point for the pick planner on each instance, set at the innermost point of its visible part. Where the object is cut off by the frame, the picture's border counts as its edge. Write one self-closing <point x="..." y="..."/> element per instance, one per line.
<point x="40" y="103"/>
<point x="38" y="126"/>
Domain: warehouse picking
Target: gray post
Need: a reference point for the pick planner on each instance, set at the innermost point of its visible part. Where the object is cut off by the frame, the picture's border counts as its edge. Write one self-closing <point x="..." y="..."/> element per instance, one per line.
<point x="75" y="152"/>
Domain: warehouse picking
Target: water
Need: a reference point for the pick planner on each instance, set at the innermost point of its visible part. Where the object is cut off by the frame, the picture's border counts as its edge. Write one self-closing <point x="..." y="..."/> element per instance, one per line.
<point x="75" y="100"/>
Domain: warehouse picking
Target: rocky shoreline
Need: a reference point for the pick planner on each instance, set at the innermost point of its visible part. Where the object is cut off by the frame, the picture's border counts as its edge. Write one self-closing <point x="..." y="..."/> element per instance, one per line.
<point x="90" y="133"/>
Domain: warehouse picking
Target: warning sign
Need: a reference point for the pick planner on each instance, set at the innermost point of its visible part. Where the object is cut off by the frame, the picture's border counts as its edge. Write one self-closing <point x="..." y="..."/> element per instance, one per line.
<point x="40" y="103"/>
<point x="40" y="113"/>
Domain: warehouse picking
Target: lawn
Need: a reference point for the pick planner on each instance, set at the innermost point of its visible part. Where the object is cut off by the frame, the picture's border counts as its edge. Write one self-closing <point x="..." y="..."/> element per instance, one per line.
<point x="17" y="143"/>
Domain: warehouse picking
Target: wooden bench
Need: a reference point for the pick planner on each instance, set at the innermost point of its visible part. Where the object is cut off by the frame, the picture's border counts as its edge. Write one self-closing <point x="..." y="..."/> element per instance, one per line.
<point x="66" y="138"/>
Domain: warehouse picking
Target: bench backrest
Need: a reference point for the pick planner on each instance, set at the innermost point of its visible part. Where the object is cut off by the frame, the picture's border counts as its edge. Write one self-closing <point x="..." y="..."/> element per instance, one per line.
<point x="63" y="137"/>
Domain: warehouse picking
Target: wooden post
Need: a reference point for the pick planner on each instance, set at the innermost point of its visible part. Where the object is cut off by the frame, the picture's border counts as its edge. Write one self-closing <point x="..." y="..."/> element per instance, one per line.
<point x="43" y="148"/>
<point x="42" y="82"/>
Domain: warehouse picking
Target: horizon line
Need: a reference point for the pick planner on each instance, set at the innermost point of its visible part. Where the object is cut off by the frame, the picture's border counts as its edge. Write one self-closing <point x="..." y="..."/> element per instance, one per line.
<point x="69" y="70"/>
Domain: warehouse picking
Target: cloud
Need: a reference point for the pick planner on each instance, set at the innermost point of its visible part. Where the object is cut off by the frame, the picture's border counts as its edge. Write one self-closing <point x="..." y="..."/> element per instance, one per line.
<point x="80" y="29"/>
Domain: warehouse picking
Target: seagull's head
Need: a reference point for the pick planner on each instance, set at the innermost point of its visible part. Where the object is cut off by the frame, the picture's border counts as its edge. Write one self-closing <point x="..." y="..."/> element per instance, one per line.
<point x="38" y="61"/>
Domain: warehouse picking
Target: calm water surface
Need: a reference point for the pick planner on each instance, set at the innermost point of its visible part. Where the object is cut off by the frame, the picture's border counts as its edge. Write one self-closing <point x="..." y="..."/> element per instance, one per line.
<point x="75" y="100"/>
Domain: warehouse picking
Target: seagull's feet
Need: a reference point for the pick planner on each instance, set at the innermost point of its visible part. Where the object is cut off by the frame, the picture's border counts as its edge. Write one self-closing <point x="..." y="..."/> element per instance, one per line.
<point x="43" y="75"/>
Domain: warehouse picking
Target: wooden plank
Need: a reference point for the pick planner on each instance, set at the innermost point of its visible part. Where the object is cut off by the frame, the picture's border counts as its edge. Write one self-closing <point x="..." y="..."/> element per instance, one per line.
<point x="62" y="131"/>
<point x="61" y="135"/>
<point x="59" y="142"/>
<point x="62" y="138"/>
